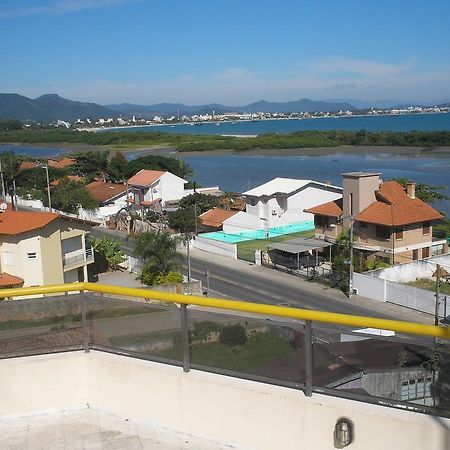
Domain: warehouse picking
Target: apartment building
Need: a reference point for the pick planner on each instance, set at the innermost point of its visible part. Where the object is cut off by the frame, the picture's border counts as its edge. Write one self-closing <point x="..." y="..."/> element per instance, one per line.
<point x="42" y="248"/>
<point x="389" y="222"/>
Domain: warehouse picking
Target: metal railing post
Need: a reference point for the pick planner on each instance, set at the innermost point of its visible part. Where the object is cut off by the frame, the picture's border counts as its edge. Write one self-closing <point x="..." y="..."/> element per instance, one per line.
<point x="185" y="337"/>
<point x="85" y="325"/>
<point x="308" y="358"/>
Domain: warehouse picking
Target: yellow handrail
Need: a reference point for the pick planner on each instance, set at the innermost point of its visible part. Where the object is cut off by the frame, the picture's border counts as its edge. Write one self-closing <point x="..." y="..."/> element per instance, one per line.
<point x="235" y="305"/>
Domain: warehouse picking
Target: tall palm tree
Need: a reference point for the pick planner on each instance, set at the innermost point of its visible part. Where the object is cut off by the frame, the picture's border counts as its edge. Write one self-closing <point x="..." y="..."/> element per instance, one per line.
<point x="158" y="250"/>
<point x="10" y="163"/>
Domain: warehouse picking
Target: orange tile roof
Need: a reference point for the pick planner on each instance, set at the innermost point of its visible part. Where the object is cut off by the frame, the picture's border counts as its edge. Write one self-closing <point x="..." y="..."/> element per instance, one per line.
<point x="7" y="280"/>
<point x="216" y="216"/>
<point x="17" y="222"/>
<point x="103" y="192"/>
<point x="395" y="208"/>
<point x="331" y="209"/>
<point x="70" y="177"/>
<point x="145" y="177"/>
<point x="24" y="165"/>
<point x="62" y="163"/>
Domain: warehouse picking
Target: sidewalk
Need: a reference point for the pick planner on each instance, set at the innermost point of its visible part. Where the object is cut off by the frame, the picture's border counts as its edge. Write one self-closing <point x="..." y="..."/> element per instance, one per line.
<point x="266" y="273"/>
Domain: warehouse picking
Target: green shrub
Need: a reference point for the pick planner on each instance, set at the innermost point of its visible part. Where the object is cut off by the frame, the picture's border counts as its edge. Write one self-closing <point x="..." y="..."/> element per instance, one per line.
<point x="203" y="330"/>
<point x="233" y="335"/>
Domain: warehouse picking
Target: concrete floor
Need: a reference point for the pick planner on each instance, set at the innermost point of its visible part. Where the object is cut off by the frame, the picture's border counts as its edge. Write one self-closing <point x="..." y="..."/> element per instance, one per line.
<point x="92" y="430"/>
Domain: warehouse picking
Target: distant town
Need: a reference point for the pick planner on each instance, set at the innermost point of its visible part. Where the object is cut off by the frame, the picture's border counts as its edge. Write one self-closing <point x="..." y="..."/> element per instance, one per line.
<point x="199" y="119"/>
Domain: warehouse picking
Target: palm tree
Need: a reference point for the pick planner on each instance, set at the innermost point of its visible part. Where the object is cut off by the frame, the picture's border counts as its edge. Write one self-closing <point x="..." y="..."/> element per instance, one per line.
<point x="158" y="252"/>
<point x="10" y="164"/>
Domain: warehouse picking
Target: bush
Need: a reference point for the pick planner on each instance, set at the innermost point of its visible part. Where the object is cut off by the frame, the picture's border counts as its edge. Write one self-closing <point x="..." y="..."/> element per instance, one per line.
<point x="169" y="278"/>
<point x="203" y="330"/>
<point x="233" y="335"/>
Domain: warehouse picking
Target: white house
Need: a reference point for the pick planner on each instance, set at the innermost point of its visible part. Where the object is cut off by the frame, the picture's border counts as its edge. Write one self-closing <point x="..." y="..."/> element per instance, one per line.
<point x="154" y="186"/>
<point x="280" y="202"/>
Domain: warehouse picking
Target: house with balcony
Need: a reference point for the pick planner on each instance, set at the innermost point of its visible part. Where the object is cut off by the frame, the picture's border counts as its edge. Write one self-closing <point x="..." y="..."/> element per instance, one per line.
<point x="280" y="202"/>
<point x="154" y="188"/>
<point x="389" y="223"/>
<point x="42" y="248"/>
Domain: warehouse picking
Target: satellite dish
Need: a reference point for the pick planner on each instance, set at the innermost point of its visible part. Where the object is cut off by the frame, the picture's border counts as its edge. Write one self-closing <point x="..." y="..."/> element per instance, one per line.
<point x="3" y="207"/>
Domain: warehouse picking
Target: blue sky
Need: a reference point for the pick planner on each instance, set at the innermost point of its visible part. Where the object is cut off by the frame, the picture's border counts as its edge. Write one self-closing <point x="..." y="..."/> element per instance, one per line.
<point x="228" y="51"/>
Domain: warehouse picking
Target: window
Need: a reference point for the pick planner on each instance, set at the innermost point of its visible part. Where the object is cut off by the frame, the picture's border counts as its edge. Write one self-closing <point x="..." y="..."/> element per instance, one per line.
<point x="426" y="228"/>
<point x="351" y="203"/>
<point x="416" y="388"/>
<point x="425" y="252"/>
<point x="383" y="232"/>
<point x="398" y="233"/>
<point x="321" y="221"/>
<point x="31" y="255"/>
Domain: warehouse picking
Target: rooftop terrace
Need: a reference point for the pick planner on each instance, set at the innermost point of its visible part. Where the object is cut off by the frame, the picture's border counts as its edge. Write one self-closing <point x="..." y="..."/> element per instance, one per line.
<point x="97" y="366"/>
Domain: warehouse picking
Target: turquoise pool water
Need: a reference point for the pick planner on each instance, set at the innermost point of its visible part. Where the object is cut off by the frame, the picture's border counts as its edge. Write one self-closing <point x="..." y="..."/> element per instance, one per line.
<point x="259" y="234"/>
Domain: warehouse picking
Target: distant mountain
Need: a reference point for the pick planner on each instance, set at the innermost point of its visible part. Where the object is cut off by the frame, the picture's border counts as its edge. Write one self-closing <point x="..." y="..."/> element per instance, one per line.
<point x="173" y="109"/>
<point x="49" y="108"/>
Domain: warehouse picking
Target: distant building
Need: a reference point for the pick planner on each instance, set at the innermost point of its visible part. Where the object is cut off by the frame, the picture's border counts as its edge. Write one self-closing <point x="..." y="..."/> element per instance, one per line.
<point x="107" y="193"/>
<point x="150" y="187"/>
<point x="41" y="248"/>
<point x="389" y="223"/>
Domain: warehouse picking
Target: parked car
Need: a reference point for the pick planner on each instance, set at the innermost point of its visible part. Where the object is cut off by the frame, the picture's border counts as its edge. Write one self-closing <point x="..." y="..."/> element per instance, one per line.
<point x="290" y="261"/>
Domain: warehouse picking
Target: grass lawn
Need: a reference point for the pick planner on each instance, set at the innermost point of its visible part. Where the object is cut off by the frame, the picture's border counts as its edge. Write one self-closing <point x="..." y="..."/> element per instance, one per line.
<point x="246" y="249"/>
<point x="258" y="350"/>
<point x="261" y="244"/>
<point x="430" y="285"/>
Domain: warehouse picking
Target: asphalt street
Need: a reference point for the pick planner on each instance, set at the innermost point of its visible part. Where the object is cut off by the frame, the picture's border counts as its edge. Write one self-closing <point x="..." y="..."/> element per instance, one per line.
<point x="239" y="280"/>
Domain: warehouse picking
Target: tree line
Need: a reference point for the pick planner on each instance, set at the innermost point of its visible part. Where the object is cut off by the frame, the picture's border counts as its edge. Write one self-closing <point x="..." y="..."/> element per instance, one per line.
<point x="190" y="142"/>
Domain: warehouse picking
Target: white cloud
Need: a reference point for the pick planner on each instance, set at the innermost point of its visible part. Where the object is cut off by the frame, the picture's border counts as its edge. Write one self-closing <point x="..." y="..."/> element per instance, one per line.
<point x="53" y="7"/>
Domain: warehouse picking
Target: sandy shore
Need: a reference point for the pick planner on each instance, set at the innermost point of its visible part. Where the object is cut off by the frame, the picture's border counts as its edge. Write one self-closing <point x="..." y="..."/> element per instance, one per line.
<point x="168" y="150"/>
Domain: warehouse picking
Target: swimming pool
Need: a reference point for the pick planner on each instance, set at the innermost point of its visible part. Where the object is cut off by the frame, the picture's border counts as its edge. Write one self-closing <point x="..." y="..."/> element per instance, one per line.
<point x="259" y="234"/>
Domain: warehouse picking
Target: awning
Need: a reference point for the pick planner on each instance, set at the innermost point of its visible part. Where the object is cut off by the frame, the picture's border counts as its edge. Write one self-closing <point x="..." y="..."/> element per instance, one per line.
<point x="300" y="245"/>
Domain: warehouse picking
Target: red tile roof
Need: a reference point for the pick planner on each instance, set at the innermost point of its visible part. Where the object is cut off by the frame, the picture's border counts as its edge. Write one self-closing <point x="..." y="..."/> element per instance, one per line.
<point x="216" y="216"/>
<point x="145" y="177"/>
<point x="395" y="208"/>
<point x="70" y="177"/>
<point x="17" y="222"/>
<point x="7" y="281"/>
<point x="24" y="165"/>
<point x="330" y="209"/>
<point x="62" y="163"/>
<point x="103" y="192"/>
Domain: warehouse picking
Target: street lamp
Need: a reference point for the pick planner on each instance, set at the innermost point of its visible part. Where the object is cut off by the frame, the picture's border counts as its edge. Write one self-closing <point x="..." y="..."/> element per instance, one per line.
<point x="45" y="166"/>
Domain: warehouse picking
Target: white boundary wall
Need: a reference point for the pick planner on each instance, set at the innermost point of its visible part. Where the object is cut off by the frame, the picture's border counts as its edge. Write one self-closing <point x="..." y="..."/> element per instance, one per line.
<point x="400" y="294"/>
<point x="214" y="246"/>
<point x="404" y="273"/>
<point x="238" y="413"/>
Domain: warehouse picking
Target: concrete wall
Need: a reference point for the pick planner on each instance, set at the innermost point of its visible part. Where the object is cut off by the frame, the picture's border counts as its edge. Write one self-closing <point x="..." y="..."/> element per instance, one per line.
<point x="235" y="412"/>
<point x="410" y="272"/>
<point x="399" y="294"/>
<point x="213" y="246"/>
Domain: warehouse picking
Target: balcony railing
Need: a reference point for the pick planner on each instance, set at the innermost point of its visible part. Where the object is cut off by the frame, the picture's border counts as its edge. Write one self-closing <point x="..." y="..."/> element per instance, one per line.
<point x="78" y="256"/>
<point x="385" y="362"/>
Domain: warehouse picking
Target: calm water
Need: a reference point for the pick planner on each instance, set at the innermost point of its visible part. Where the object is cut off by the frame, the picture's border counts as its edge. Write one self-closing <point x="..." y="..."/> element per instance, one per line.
<point x="239" y="173"/>
<point x="420" y="122"/>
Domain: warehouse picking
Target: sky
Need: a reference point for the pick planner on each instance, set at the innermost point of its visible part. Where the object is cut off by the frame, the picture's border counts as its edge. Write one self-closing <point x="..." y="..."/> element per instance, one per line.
<point x="232" y="52"/>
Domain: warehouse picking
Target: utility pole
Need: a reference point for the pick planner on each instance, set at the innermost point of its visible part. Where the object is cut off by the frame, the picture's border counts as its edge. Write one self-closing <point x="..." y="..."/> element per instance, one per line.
<point x="350" y="275"/>
<point x="188" y="257"/>
<point x="2" y="181"/>
<point x="436" y="306"/>
<point x="48" y="188"/>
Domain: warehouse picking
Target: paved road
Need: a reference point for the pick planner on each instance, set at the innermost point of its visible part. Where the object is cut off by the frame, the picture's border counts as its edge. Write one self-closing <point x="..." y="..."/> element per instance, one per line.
<point x="243" y="281"/>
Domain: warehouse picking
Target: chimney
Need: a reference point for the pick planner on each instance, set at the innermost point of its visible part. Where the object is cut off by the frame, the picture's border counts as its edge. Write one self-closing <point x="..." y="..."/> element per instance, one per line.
<point x="411" y="189"/>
